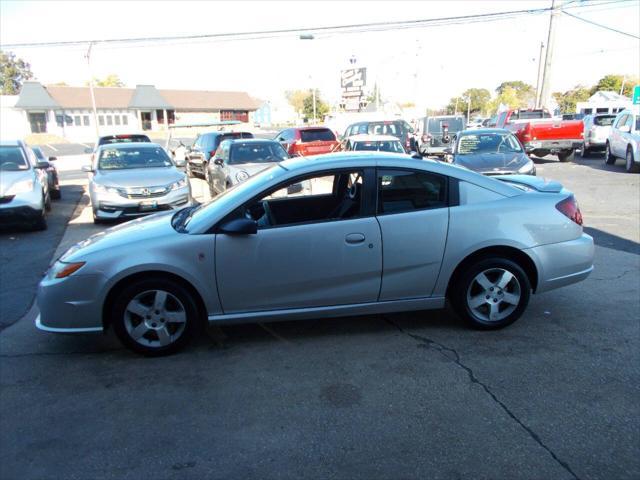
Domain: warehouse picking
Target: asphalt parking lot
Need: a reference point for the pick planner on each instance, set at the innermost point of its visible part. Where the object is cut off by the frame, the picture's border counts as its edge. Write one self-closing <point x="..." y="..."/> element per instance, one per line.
<point x="416" y="395"/>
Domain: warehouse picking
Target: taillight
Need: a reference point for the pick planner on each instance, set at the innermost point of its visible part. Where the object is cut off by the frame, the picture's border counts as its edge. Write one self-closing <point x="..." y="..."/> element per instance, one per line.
<point x="569" y="208"/>
<point x="212" y="153"/>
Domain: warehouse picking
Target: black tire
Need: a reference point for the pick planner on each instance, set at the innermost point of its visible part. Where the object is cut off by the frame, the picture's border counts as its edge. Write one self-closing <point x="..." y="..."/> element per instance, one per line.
<point x="609" y="159"/>
<point x="56" y="194"/>
<point x="630" y="165"/>
<point x="138" y="287"/>
<point x="584" y="151"/>
<point x="567" y="155"/>
<point x="41" y="222"/>
<point x="47" y="202"/>
<point x="465" y="283"/>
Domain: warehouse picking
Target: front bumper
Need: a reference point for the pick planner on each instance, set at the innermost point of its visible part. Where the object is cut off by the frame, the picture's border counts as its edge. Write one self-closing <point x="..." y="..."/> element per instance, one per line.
<point x="22" y="207"/>
<point x="564" y="263"/>
<point x="112" y="206"/>
<point x="72" y="304"/>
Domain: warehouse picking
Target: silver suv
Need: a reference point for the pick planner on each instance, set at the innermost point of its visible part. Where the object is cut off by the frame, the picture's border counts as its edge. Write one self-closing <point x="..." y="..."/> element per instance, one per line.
<point x="624" y="141"/>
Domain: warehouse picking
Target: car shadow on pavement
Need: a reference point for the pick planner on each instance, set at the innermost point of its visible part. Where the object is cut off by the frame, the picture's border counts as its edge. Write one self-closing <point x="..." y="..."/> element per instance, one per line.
<point x="608" y="240"/>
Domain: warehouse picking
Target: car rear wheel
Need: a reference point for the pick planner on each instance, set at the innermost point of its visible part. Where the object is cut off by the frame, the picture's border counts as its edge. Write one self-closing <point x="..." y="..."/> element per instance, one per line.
<point x="609" y="159"/>
<point x="632" y="167"/>
<point x="584" y="151"/>
<point x="567" y="155"/>
<point x="491" y="293"/>
<point x="154" y="316"/>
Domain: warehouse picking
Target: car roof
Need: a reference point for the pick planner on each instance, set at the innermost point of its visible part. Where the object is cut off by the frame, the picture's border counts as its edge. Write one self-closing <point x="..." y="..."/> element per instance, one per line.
<point x="366" y="137"/>
<point x="11" y="143"/>
<point x="130" y="145"/>
<point x="317" y="127"/>
<point x="473" y="131"/>
<point x="223" y="132"/>
<point x="234" y="141"/>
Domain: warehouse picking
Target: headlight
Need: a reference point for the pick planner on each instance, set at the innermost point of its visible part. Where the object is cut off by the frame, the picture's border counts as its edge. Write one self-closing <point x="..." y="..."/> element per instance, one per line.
<point x="241" y="176"/>
<point x="20" y="187"/>
<point x="179" y="184"/>
<point x="63" y="269"/>
<point x="104" y="189"/>
<point x="526" y="168"/>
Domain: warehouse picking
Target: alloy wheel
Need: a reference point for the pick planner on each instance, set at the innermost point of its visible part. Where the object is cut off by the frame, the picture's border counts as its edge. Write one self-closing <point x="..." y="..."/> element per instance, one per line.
<point x="155" y="318"/>
<point x="493" y="294"/>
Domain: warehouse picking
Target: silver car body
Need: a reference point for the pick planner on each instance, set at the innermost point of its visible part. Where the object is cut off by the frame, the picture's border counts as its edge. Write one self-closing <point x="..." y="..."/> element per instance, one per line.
<point x="625" y="135"/>
<point x="134" y="192"/>
<point x="316" y="269"/>
<point x="23" y="193"/>
<point x="595" y="136"/>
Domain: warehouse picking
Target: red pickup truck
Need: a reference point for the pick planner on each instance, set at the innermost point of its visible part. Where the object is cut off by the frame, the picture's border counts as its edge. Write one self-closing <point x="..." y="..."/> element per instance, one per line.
<point x="543" y="135"/>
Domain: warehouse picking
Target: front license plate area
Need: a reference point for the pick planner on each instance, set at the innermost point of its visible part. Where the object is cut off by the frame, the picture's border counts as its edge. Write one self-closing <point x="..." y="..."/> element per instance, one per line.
<point x="147" y="205"/>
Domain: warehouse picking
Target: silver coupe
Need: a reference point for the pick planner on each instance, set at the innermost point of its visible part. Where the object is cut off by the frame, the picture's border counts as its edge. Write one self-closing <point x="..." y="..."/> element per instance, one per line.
<point x="372" y="233"/>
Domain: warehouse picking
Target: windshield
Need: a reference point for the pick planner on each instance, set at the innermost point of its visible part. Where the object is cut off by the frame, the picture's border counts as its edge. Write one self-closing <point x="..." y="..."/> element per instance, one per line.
<point x="125" y="158"/>
<point x="317" y="135"/>
<point x="38" y="153"/>
<point x="379" y="146"/>
<point x="257" y="153"/>
<point x="397" y="129"/>
<point x="12" y="159"/>
<point x="488" y="143"/>
<point x="604" y="120"/>
<point x="202" y="217"/>
<point x="455" y="124"/>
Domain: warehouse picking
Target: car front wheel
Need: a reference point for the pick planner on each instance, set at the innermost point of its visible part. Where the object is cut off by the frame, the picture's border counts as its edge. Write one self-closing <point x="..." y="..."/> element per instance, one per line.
<point x="492" y="293"/>
<point x="154" y="316"/>
<point x="631" y="165"/>
<point x="609" y="159"/>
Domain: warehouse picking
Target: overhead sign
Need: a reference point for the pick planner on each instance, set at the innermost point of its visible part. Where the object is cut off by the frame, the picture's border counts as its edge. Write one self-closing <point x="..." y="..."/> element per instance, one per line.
<point x="354" y="78"/>
<point x="636" y="95"/>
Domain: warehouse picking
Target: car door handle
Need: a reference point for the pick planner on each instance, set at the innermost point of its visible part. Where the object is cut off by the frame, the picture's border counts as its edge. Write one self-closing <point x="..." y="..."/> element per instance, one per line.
<point x="353" y="238"/>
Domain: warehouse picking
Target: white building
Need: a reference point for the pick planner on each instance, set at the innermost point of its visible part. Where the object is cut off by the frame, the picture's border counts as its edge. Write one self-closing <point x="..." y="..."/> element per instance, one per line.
<point x="67" y="111"/>
<point x="604" y="102"/>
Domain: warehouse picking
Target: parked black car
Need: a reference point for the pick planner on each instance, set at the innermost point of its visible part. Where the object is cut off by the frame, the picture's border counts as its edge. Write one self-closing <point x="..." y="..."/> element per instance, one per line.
<point x="52" y="173"/>
<point x="204" y="147"/>
<point x="491" y="151"/>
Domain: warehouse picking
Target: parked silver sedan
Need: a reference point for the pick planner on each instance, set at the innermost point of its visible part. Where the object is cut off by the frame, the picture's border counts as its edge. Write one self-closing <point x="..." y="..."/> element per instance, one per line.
<point x="376" y="233"/>
<point x="128" y="180"/>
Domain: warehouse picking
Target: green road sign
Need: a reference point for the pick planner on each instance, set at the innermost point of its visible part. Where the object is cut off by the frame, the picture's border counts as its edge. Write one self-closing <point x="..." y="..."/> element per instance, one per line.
<point x="636" y="95"/>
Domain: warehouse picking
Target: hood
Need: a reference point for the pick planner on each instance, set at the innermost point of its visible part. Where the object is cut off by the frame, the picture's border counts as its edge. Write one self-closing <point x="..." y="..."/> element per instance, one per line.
<point x="138" y="177"/>
<point x="142" y="229"/>
<point x="8" y="178"/>
<point x="490" y="162"/>
<point x="250" y="168"/>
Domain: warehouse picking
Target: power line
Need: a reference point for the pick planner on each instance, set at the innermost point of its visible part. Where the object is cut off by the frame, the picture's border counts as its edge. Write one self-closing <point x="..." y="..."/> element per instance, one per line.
<point x="334" y="29"/>
<point x="602" y="26"/>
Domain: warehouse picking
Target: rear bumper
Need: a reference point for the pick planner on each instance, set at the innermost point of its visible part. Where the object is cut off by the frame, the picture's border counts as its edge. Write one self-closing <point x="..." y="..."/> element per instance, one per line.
<point x="553" y="145"/>
<point x="564" y="263"/>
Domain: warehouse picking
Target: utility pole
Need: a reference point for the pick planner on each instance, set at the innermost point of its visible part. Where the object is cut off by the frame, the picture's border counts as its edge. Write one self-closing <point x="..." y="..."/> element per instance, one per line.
<point x="455" y="110"/>
<point x="93" y="97"/>
<point x="538" y="80"/>
<point x="624" y="79"/>
<point x="309" y="36"/>
<point x="314" y="106"/>
<point x="468" y="107"/>
<point x="545" y="92"/>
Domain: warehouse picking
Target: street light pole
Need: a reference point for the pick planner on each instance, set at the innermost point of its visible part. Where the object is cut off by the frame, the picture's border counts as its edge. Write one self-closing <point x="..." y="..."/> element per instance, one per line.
<point x="93" y="97"/>
<point x="545" y="92"/>
<point x="538" y="77"/>
<point x="309" y="36"/>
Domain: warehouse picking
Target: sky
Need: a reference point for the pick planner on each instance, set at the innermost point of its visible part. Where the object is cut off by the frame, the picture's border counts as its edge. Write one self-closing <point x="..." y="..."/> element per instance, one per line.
<point x="426" y="66"/>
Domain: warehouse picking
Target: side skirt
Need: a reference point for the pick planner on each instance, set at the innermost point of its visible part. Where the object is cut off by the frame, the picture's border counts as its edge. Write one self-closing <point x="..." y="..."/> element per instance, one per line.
<point x="371" y="308"/>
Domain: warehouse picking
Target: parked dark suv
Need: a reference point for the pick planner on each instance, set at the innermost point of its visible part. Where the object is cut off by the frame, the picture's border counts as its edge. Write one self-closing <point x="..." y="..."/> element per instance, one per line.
<point x="204" y="147"/>
<point x="397" y="128"/>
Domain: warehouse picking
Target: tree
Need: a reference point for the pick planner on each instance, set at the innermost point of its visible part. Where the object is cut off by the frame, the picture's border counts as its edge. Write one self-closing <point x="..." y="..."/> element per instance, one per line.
<point x="567" y="101"/>
<point x="321" y="108"/>
<point x="613" y="83"/>
<point x="508" y="97"/>
<point x="479" y="97"/>
<point x="111" y="80"/>
<point x="524" y="92"/>
<point x="13" y="73"/>
<point x="296" y="99"/>
<point x="374" y="93"/>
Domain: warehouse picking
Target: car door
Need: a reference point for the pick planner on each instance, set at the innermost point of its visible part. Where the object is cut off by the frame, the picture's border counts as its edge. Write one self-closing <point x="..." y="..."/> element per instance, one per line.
<point x="617" y="136"/>
<point x="413" y="212"/>
<point x="217" y="172"/>
<point x="323" y="258"/>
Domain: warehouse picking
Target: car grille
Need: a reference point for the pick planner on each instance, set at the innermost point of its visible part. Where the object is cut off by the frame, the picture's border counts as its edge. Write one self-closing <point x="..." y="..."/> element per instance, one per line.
<point x="144" y="192"/>
<point x="6" y="198"/>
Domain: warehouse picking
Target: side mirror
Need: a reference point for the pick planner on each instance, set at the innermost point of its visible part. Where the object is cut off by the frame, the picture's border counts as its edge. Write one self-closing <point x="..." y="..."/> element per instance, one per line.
<point x="239" y="226"/>
<point x="42" y="164"/>
<point x="218" y="161"/>
<point x="415" y="155"/>
<point x="53" y="159"/>
<point x="625" y="129"/>
<point x="87" y="168"/>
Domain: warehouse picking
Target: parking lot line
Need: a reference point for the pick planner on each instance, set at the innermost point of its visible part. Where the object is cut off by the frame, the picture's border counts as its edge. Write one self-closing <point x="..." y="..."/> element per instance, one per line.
<point x="272" y="332"/>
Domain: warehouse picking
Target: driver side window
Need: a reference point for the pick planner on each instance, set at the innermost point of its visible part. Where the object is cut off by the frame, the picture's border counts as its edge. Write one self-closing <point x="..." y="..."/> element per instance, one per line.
<point x="319" y="198"/>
